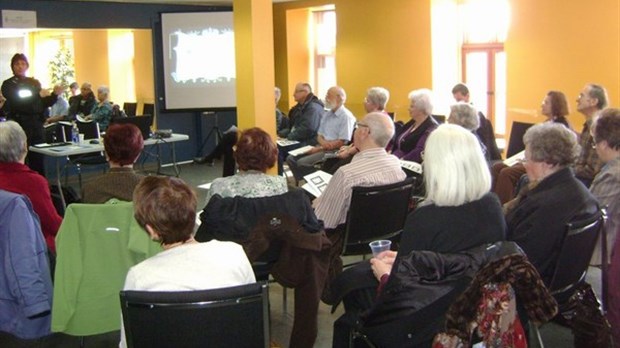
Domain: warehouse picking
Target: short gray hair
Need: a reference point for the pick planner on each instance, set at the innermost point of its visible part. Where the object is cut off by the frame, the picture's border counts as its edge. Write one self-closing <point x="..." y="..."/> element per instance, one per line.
<point x="12" y="142"/>
<point x="278" y="93"/>
<point x="455" y="170"/>
<point x="381" y="128"/>
<point x="464" y="115"/>
<point x="378" y="96"/>
<point x="104" y="89"/>
<point x="600" y="93"/>
<point x="551" y="143"/>
<point x="422" y="99"/>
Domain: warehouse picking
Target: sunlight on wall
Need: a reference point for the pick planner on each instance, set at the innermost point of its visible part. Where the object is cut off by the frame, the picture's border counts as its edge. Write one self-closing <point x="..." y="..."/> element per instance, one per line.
<point x="121" y="66"/>
<point x="485" y="20"/>
<point x="446" y="53"/>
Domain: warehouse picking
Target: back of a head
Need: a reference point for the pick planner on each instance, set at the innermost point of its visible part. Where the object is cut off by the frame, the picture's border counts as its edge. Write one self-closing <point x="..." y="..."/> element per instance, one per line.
<point x="168" y="205"/>
<point x="551" y="143"/>
<point x="460" y="88"/>
<point x="123" y="143"/>
<point x="464" y="115"/>
<point x="255" y="150"/>
<point x="12" y="142"/>
<point x="455" y="170"/>
<point x="607" y="128"/>
<point x="381" y="128"/>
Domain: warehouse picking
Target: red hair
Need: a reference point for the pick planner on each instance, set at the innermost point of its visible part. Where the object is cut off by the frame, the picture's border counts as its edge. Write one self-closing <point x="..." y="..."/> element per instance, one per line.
<point x="255" y="150"/>
<point x="123" y="143"/>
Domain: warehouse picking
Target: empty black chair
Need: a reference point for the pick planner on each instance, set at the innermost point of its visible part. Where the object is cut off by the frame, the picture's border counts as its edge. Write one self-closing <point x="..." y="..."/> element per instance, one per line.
<point x="130" y="108"/>
<point x="515" y="144"/>
<point x="148" y="109"/>
<point x="228" y="317"/>
<point x="574" y="259"/>
<point x="376" y="212"/>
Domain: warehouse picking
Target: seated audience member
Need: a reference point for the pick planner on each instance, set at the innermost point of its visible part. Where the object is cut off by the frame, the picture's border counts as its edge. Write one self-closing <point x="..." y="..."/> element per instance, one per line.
<point x="16" y="177"/>
<point x="335" y="130"/>
<point x="485" y="132"/>
<point x="409" y="140"/>
<point x="81" y="104"/>
<point x="166" y="209"/>
<point x="25" y="281"/>
<point x="123" y="144"/>
<point x="606" y="184"/>
<point x="229" y="139"/>
<point x="464" y="115"/>
<point x="375" y="101"/>
<point x="255" y="153"/>
<point x="459" y="212"/>
<point x="102" y="111"/>
<point x="60" y="109"/>
<point x="372" y="166"/>
<point x="606" y="187"/>
<point x="537" y="217"/>
<point x="591" y="100"/>
<point x="304" y="118"/>
<point x="555" y="108"/>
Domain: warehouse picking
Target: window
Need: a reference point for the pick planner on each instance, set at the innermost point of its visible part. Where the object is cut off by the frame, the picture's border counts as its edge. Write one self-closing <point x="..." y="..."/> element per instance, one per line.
<point x="323" y="49"/>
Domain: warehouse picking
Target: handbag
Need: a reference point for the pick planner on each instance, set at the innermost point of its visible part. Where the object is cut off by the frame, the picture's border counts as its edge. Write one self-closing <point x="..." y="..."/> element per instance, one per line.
<point x="589" y="325"/>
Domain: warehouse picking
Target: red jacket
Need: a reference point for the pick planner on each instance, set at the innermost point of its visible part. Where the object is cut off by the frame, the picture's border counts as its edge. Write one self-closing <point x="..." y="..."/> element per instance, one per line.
<point x="18" y="178"/>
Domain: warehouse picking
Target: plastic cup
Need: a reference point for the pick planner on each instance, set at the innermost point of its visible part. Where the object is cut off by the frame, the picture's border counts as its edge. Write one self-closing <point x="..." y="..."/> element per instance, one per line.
<point x="379" y="246"/>
<point x="81" y="139"/>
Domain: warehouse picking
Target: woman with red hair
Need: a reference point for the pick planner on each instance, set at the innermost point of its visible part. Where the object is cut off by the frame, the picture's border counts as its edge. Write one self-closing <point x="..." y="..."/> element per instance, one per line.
<point x="123" y="144"/>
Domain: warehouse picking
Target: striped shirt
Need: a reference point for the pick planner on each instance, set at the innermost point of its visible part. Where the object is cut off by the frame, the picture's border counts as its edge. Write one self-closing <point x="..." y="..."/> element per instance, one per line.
<point x="371" y="167"/>
<point x="587" y="164"/>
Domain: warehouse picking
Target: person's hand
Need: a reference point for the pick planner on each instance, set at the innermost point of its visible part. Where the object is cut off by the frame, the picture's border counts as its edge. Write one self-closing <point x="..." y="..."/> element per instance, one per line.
<point x="379" y="267"/>
<point x="88" y="117"/>
<point x="315" y="149"/>
<point x="387" y="256"/>
<point x="343" y="152"/>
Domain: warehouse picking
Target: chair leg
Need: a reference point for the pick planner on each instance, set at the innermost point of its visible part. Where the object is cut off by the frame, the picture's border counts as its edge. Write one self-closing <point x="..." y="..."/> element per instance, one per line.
<point x="535" y="331"/>
<point x="284" y="299"/>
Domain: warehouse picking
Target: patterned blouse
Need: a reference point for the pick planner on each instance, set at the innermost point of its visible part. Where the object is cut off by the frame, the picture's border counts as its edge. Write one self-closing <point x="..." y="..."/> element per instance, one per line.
<point x="250" y="184"/>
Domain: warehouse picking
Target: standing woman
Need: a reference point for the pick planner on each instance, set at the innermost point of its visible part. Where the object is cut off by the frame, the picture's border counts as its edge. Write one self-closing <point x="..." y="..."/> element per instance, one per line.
<point x="26" y="103"/>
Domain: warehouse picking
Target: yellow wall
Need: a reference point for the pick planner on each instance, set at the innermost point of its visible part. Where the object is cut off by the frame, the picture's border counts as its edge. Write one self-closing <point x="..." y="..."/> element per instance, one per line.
<point x="91" y="58"/>
<point x="561" y="45"/>
<point x="382" y="43"/>
<point x="143" y="68"/>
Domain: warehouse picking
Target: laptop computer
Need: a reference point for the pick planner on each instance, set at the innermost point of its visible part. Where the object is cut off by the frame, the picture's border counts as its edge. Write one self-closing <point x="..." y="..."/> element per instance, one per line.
<point x="143" y="122"/>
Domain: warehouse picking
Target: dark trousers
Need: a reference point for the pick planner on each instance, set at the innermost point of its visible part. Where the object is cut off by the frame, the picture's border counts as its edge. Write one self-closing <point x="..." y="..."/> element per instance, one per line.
<point x="225" y="149"/>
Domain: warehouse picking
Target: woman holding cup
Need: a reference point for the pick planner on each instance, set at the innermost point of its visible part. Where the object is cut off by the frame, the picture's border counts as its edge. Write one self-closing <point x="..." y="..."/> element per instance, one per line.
<point x="459" y="212"/>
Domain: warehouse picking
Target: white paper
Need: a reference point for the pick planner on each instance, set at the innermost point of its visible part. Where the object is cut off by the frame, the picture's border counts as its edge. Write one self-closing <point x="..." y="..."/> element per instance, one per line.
<point x="286" y="142"/>
<point x="205" y="186"/>
<point x="412" y="166"/>
<point x="516" y="158"/>
<point x="301" y="150"/>
<point x="316" y="182"/>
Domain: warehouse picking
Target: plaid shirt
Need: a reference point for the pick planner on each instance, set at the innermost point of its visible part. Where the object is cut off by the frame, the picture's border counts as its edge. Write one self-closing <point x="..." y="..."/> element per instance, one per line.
<point x="587" y="164"/>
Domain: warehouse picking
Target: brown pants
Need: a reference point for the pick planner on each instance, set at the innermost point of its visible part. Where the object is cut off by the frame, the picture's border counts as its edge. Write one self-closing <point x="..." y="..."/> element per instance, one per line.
<point x="505" y="180"/>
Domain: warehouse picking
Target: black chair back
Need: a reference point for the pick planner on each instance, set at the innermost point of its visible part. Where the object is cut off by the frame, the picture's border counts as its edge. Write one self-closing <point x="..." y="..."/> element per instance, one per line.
<point x="377" y="212"/>
<point x="148" y="109"/>
<point x="228" y="317"/>
<point x="515" y="144"/>
<point x="143" y="122"/>
<point x="576" y="252"/>
<point x="130" y="108"/>
<point x="89" y="129"/>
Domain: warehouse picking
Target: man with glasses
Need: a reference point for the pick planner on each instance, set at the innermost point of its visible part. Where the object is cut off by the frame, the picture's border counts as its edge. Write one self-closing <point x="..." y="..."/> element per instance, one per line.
<point x="304" y="119"/>
<point x="372" y="166"/>
<point x="591" y="100"/>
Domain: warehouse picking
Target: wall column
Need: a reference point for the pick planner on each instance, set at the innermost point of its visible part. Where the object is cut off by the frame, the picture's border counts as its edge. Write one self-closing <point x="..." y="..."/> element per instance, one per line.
<point x="253" y="21"/>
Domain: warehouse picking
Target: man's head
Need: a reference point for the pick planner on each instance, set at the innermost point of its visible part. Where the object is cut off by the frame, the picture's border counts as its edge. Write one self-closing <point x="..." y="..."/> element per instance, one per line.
<point x="376" y="99"/>
<point x="86" y="89"/>
<point x="374" y="131"/>
<point x="74" y="88"/>
<point x="19" y="64"/>
<point x="277" y="94"/>
<point x="13" y="147"/>
<point x="301" y="92"/>
<point x="335" y="98"/>
<point x="460" y="92"/>
<point x="591" y="99"/>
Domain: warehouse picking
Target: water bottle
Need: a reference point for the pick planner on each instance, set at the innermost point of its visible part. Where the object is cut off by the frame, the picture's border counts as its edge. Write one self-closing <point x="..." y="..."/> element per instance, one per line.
<point x="75" y="134"/>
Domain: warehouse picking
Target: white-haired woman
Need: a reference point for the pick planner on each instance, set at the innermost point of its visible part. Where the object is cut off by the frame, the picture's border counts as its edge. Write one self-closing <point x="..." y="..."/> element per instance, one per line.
<point x="102" y="111"/>
<point x="459" y="212"/>
<point x="409" y="141"/>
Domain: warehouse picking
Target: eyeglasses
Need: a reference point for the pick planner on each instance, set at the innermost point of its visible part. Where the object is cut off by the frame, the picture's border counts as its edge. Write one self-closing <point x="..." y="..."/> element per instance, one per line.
<point x="360" y="124"/>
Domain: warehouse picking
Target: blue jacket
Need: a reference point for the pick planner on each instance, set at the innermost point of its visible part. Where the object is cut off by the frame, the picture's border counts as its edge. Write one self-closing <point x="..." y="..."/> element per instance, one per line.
<point x="25" y="281"/>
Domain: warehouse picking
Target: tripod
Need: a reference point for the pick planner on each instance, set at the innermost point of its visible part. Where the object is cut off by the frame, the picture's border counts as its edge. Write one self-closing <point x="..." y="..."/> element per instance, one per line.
<point x="215" y="131"/>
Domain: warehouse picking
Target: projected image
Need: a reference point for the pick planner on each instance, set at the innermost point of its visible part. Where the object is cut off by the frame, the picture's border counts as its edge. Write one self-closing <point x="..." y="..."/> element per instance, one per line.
<point x="198" y="57"/>
<point x="207" y="56"/>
